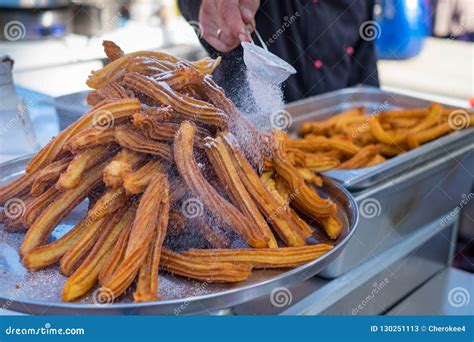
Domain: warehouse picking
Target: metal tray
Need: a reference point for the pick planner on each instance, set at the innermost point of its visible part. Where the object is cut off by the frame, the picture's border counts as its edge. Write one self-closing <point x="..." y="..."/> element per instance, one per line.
<point x="39" y="292"/>
<point x="395" y="209"/>
<point x="374" y="100"/>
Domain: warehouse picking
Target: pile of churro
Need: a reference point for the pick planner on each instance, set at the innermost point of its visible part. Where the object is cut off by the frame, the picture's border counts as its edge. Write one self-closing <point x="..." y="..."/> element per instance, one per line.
<point x="357" y="139"/>
<point x="161" y="135"/>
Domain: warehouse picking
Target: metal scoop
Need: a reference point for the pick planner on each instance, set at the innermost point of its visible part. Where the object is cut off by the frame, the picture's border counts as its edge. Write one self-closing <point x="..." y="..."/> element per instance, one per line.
<point x="265" y="64"/>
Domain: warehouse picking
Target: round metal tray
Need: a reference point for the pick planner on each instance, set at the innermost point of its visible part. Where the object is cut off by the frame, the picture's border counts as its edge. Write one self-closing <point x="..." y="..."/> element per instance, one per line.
<point x="40" y="292"/>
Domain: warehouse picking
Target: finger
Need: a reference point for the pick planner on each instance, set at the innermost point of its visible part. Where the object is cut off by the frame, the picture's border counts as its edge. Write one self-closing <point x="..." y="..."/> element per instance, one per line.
<point x="247" y="15"/>
<point x="232" y="19"/>
<point x="218" y="44"/>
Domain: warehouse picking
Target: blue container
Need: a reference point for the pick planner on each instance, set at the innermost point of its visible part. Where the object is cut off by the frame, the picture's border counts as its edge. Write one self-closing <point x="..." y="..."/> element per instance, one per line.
<point x="404" y="25"/>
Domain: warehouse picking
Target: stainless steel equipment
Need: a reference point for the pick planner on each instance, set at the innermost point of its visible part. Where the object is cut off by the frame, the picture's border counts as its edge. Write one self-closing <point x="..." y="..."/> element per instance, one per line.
<point x="40" y="292"/>
<point x="375" y="100"/>
<point x="376" y="285"/>
<point x="402" y="194"/>
<point x="393" y="210"/>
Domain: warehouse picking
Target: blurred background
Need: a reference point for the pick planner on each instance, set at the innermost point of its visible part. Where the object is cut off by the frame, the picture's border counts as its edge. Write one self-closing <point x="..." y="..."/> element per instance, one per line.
<point x="424" y="47"/>
<point x="61" y="40"/>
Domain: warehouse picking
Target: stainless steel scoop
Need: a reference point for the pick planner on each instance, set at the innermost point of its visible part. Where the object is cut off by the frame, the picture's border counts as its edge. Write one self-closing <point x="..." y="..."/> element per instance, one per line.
<point x="265" y="64"/>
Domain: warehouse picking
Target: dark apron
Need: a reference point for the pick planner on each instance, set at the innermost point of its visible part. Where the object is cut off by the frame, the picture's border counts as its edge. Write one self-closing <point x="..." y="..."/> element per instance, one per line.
<point x="320" y="38"/>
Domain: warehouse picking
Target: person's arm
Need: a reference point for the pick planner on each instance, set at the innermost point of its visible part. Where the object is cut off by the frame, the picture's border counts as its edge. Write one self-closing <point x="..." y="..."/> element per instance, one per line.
<point x="223" y="24"/>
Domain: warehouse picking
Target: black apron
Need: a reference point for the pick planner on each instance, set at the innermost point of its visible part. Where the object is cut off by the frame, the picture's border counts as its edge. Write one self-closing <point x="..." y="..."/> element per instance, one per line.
<point x="320" y="38"/>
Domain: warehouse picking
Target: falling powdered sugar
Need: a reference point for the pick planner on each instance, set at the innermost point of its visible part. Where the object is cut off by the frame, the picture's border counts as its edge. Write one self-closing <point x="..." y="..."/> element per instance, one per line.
<point x="265" y="100"/>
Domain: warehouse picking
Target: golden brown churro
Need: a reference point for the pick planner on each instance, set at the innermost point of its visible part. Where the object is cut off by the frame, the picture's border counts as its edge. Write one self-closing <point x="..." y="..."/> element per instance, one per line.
<point x="220" y="207"/>
<point x="355" y="134"/>
<point x="162" y="133"/>
<point x="263" y="257"/>
<point x="209" y="271"/>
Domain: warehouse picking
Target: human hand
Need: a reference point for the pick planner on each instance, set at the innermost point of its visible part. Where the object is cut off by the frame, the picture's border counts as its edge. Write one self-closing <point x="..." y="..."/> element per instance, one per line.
<point x="225" y="24"/>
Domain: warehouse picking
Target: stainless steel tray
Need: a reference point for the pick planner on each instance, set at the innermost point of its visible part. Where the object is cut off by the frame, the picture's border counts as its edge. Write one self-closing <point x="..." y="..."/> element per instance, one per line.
<point x="395" y="209"/>
<point x="39" y="292"/>
<point x="374" y="100"/>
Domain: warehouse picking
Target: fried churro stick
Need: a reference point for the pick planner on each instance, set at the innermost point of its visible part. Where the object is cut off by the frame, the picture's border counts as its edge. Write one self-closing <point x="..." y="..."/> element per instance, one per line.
<point x="148" y="66"/>
<point x="16" y="189"/>
<point x="220" y="207"/>
<point x="34" y="209"/>
<point x="114" y="70"/>
<point x="361" y="158"/>
<point x="115" y="91"/>
<point x="136" y="182"/>
<point x="81" y="162"/>
<point x="209" y="270"/>
<point x="320" y="143"/>
<point x="189" y="108"/>
<point x="73" y="257"/>
<point x="376" y="160"/>
<point x="255" y="142"/>
<point x="151" y="215"/>
<point x="109" y="112"/>
<point x="307" y="199"/>
<point x="262" y="258"/>
<point x="133" y="140"/>
<point x="90" y="137"/>
<point x="49" y="175"/>
<point x="318" y="163"/>
<point x="112" y="200"/>
<point x="416" y="139"/>
<point x="87" y="274"/>
<point x="116" y="257"/>
<point x="183" y="75"/>
<point x="46" y="255"/>
<point x="277" y="216"/>
<point x="155" y="128"/>
<point x="54" y="213"/>
<point x="283" y="196"/>
<point x="121" y="164"/>
<point x="147" y="285"/>
<point x="323" y="127"/>
<point x="222" y="162"/>
<point x="112" y="50"/>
